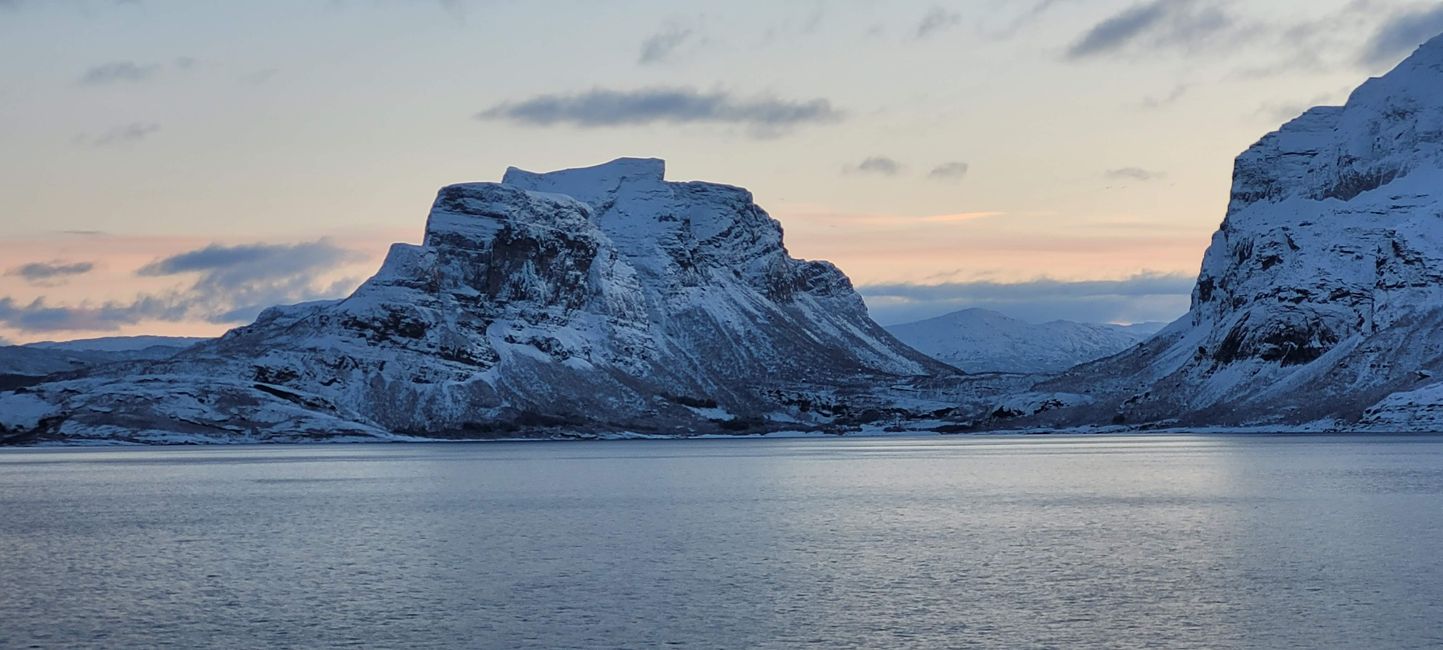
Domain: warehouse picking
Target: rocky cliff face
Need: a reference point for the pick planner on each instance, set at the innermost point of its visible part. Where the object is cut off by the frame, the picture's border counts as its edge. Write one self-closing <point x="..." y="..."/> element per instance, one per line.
<point x="1321" y="291"/>
<point x="589" y="300"/>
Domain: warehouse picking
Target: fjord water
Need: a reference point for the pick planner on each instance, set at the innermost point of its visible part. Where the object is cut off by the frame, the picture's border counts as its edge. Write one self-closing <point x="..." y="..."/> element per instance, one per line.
<point x="1175" y="541"/>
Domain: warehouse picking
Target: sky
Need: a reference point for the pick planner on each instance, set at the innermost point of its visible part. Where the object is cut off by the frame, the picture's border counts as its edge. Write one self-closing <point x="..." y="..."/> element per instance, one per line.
<point x="174" y="166"/>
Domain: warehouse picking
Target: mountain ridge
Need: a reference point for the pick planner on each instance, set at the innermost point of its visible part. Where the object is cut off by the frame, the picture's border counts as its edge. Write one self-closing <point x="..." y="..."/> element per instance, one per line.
<point x="1317" y="298"/>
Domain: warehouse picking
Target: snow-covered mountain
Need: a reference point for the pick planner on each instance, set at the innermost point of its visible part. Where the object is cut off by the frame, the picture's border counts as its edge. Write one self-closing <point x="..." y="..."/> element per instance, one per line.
<point x="119" y="344"/>
<point x="1320" y="301"/>
<point x="979" y="340"/>
<point x="26" y="364"/>
<point x="597" y="299"/>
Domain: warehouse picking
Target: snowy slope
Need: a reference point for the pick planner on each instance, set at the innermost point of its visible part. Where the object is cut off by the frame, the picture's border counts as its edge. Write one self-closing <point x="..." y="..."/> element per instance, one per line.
<point x="40" y="359"/>
<point x="1320" y="295"/>
<point x="599" y="299"/>
<point x="978" y="340"/>
<point x="119" y="343"/>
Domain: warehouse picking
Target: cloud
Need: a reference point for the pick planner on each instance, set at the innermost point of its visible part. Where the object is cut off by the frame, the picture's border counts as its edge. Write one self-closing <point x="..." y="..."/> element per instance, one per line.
<point x="38" y="316"/>
<point x="50" y="272"/>
<point x="1400" y="34"/>
<point x="952" y="171"/>
<point x="1132" y="174"/>
<point x="118" y="72"/>
<point x="1172" y="97"/>
<point x="124" y="134"/>
<point x="1142" y="297"/>
<point x="612" y="108"/>
<point x="659" y="47"/>
<point x="1024" y="19"/>
<point x="1158" y="23"/>
<point x="216" y="257"/>
<point x="936" y="20"/>
<point x="879" y="165"/>
<point x="252" y="277"/>
<point x="232" y="284"/>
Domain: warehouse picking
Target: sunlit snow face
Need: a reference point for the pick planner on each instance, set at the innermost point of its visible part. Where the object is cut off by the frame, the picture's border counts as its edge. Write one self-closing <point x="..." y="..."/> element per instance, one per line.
<point x="942" y="144"/>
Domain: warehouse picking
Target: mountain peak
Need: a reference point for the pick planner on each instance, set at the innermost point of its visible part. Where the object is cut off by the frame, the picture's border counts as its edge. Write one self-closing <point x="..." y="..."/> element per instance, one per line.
<point x="588" y="184"/>
<point x="1430" y="51"/>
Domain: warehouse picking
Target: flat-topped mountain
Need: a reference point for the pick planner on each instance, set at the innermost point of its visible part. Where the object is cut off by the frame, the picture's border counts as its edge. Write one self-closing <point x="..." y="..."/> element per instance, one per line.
<point x="597" y="299"/>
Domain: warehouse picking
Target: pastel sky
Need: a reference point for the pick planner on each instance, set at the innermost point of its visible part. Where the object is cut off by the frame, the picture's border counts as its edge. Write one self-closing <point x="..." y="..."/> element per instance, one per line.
<point x="173" y="166"/>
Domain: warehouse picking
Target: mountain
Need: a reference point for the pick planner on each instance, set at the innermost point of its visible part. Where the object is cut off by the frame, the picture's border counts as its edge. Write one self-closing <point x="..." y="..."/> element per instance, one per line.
<point x="978" y="340"/>
<point x="1320" y="300"/>
<point x="119" y="343"/>
<point x="22" y="365"/>
<point x="603" y="299"/>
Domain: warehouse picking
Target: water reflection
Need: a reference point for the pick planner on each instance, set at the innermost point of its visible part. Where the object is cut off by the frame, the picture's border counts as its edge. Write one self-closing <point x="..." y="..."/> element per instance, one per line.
<point x="1176" y="541"/>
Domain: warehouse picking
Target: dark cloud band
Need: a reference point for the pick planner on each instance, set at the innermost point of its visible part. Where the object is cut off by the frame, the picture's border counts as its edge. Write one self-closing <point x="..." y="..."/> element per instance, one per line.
<point x="232" y="285"/>
<point x="612" y="108"/>
<point x="44" y="272"/>
<point x="1157" y="22"/>
<point x="1401" y="34"/>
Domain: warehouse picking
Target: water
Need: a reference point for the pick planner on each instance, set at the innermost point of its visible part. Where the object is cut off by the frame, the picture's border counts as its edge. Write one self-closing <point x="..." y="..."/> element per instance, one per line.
<point x="1178" y="541"/>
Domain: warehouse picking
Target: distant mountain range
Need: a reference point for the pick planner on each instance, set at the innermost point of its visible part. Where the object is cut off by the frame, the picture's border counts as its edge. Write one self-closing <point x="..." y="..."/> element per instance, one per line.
<point x="978" y="340"/>
<point x="21" y="365"/>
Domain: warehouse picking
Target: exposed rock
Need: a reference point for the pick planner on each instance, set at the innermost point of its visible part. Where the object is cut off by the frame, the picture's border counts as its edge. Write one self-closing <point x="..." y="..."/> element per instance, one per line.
<point x="1320" y="293"/>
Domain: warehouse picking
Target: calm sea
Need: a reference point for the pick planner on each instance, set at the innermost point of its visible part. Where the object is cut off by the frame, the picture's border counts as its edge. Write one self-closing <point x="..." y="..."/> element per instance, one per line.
<point x="939" y="542"/>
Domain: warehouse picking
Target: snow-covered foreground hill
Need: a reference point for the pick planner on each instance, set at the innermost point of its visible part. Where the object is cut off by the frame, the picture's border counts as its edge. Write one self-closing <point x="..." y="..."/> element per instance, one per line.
<point x="1320" y="301"/>
<point x="594" y="300"/>
<point x="979" y="340"/>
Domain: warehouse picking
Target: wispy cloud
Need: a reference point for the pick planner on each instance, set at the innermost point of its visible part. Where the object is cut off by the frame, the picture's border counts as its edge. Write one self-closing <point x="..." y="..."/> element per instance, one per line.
<point x="1163" y="101"/>
<point x="1157" y="23"/>
<point x="661" y="46"/>
<point x="1401" y="34"/>
<point x="231" y="284"/>
<point x="48" y="273"/>
<point x="118" y="72"/>
<point x="952" y="171"/>
<point x="250" y="278"/>
<point x="936" y="20"/>
<point x="1014" y="23"/>
<point x="1142" y="297"/>
<point x="40" y="316"/>
<point x="877" y="165"/>
<point x="124" y="134"/>
<point x="614" y="108"/>
<point x="1132" y="174"/>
